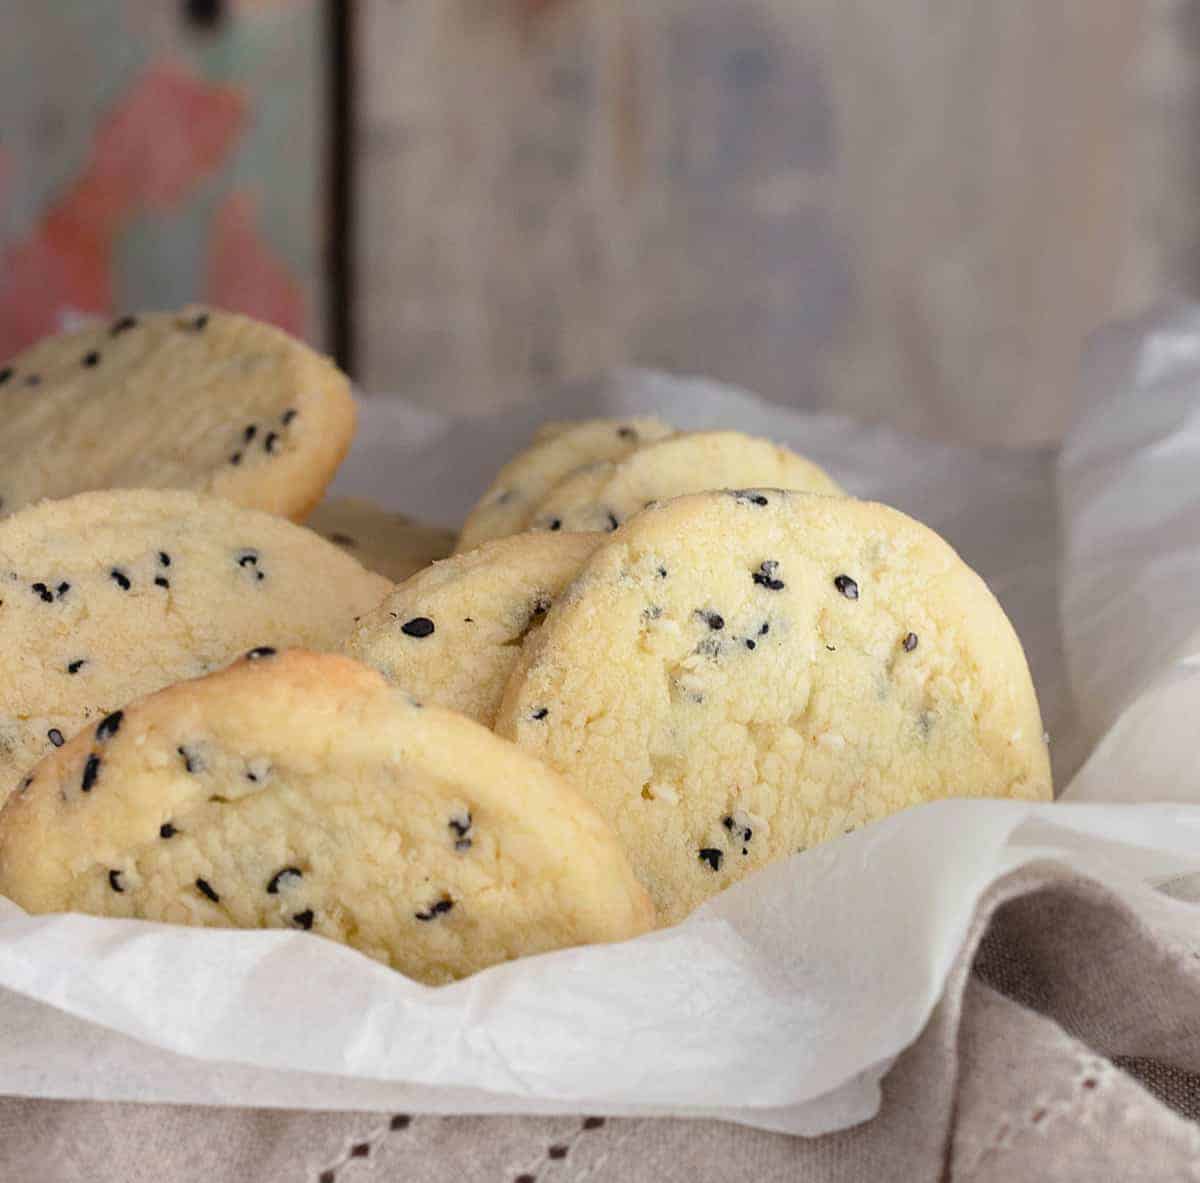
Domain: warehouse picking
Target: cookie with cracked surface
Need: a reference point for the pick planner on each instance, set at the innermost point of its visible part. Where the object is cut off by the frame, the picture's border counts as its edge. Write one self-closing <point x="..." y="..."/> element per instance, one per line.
<point x="736" y="676"/>
<point x="510" y="500"/>
<point x="300" y="790"/>
<point x="107" y="596"/>
<point x="197" y="399"/>
<point x="452" y="633"/>
<point x="602" y="496"/>
<point x="386" y="542"/>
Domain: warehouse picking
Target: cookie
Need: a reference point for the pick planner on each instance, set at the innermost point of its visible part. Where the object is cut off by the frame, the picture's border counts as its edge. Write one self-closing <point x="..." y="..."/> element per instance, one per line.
<point x="197" y="399"/>
<point x="558" y="450"/>
<point x="299" y="790"/>
<point x="602" y="496"/>
<point x="107" y="596"/>
<point x="390" y="543"/>
<point x="452" y="633"/>
<point x="737" y="676"/>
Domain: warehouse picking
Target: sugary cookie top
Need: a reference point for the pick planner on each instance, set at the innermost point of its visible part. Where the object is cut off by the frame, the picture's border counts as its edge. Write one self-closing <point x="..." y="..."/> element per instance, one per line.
<point x="452" y="633"/>
<point x="198" y="399"/>
<point x="107" y="596"/>
<point x="736" y="676"/>
<point x="602" y="496"/>
<point x="299" y="790"/>
<point x="558" y="450"/>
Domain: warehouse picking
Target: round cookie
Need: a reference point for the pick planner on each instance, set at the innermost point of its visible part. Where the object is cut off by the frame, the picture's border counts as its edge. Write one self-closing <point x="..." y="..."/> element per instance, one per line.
<point x="602" y="496"/>
<point x="735" y="676"/>
<point x="197" y="399"/>
<point x="558" y="449"/>
<point x="299" y="790"/>
<point x="106" y="596"/>
<point x="452" y="633"/>
<point x="389" y="543"/>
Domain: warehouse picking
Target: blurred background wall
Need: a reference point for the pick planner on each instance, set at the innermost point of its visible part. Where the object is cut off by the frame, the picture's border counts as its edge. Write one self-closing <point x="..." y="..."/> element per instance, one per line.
<point x="908" y="210"/>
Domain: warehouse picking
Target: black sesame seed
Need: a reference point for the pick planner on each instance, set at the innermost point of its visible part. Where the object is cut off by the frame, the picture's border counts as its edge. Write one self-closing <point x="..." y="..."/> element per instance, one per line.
<point x="627" y="433"/>
<point x="910" y="642"/>
<point x="714" y="620"/>
<point x="304" y="920"/>
<point x="460" y="825"/>
<point x="441" y="907"/>
<point x="166" y="830"/>
<point x="593" y="1123"/>
<point x="765" y="576"/>
<point x="540" y="713"/>
<point x="114" y="881"/>
<point x="5" y="374"/>
<point x="161" y="581"/>
<point x="40" y="589"/>
<point x="401" y="1121"/>
<point x="247" y="558"/>
<point x="662" y="572"/>
<point x="288" y="416"/>
<point x="612" y="522"/>
<point x="191" y="763"/>
<point x="236" y="458"/>
<point x="164" y="558"/>
<point x="205" y="888"/>
<point x="462" y="844"/>
<point x="73" y="667"/>
<point x="91" y="771"/>
<point x="712" y="856"/>
<point x="249" y="433"/>
<point x="727" y="821"/>
<point x="752" y="498"/>
<point x="556" y="523"/>
<point x="91" y="358"/>
<point x="122" y="326"/>
<point x="556" y="1152"/>
<point x="360" y="1150"/>
<point x="261" y="652"/>
<point x="200" y="322"/>
<point x="419" y="626"/>
<point x="846" y="586"/>
<point x="62" y="589"/>
<point x="283" y="878"/>
<point x="270" y="444"/>
<point x="109" y="725"/>
<point x="750" y="644"/>
<point x="55" y="737"/>
<point x="120" y="578"/>
<point x="831" y="648"/>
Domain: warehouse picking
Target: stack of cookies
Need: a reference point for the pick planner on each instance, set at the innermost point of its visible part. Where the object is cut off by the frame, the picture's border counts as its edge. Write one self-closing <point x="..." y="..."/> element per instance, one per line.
<point x="655" y="662"/>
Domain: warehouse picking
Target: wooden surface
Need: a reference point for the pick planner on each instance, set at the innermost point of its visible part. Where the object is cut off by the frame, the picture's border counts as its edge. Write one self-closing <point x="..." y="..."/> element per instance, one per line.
<point x="147" y="160"/>
<point x="911" y="211"/>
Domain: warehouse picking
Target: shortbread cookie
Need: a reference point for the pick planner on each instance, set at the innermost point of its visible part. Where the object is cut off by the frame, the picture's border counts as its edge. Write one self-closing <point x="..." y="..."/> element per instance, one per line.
<point x="737" y="676"/>
<point x="197" y="399"/>
<point x="509" y="502"/>
<point x="299" y="790"/>
<point x="602" y="496"/>
<point x="108" y="596"/>
<point x="390" y="543"/>
<point x="452" y="633"/>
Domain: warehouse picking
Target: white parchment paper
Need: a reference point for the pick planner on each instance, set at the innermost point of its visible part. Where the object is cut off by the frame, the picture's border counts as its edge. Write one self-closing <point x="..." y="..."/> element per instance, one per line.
<point x="782" y="1002"/>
